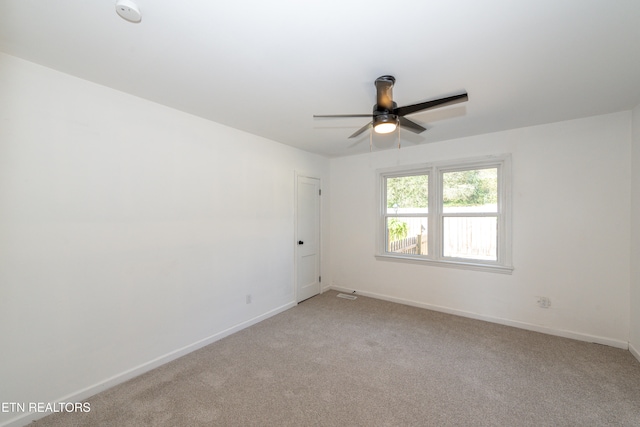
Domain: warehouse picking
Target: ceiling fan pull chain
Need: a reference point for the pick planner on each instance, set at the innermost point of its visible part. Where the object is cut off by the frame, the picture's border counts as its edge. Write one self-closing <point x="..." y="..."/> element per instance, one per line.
<point x="399" y="127"/>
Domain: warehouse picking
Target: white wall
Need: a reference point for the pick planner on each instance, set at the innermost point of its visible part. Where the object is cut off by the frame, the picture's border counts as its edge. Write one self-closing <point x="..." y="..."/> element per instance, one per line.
<point x="130" y="233"/>
<point x="571" y="223"/>
<point x="634" y="336"/>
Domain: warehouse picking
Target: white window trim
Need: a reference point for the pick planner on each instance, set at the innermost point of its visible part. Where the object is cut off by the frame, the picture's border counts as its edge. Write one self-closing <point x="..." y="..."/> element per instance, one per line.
<point x="504" y="262"/>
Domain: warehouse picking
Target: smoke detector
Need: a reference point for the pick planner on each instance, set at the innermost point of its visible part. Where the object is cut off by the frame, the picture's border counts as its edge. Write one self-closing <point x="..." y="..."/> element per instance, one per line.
<point x="128" y="10"/>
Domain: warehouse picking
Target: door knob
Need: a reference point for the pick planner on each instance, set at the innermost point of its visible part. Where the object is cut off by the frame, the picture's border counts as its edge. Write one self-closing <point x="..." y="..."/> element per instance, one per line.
<point x="300" y="242"/>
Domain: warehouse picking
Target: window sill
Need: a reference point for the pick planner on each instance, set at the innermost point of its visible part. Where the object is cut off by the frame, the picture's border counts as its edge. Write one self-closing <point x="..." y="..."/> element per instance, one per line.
<point x="463" y="265"/>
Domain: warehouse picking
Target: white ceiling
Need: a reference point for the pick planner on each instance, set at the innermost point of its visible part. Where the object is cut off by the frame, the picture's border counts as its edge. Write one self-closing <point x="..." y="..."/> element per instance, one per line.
<point x="266" y="67"/>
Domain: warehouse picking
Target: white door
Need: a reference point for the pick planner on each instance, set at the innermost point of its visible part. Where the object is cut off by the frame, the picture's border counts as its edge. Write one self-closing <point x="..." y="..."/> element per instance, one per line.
<point x="307" y="237"/>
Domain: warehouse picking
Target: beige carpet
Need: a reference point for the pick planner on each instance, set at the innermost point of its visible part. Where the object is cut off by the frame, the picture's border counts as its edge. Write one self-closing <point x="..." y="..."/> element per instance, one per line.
<point x="335" y="362"/>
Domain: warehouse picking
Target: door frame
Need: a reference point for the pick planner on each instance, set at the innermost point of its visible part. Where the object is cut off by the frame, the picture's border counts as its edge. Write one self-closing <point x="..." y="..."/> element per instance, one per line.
<point x="300" y="174"/>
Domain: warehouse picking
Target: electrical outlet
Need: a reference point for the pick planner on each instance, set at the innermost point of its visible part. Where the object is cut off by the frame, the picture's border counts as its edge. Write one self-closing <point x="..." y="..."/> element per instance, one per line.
<point x="248" y="298"/>
<point x="544" y="302"/>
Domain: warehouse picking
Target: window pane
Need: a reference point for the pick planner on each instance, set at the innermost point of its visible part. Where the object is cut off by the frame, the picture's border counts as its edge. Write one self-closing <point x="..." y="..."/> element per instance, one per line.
<point x="407" y="194"/>
<point x="470" y="237"/>
<point x="470" y="191"/>
<point x="407" y="235"/>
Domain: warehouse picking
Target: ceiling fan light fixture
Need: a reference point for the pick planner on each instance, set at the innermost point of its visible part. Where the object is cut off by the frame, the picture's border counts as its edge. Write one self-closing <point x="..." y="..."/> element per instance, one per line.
<point x="385" y="123"/>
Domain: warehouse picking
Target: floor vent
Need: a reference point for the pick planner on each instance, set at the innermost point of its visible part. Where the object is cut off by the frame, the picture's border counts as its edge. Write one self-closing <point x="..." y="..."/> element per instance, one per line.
<point x="346" y="296"/>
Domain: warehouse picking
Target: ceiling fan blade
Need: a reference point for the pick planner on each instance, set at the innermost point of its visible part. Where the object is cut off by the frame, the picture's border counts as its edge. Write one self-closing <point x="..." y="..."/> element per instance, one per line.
<point x="410" y="109"/>
<point x="362" y="129"/>
<point x="342" y="115"/>
<point x="409" y="125"/>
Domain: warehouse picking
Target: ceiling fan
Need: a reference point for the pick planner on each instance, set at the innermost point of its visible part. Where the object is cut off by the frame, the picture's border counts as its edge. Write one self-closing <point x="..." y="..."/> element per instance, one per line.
<point x="387" y="116"/>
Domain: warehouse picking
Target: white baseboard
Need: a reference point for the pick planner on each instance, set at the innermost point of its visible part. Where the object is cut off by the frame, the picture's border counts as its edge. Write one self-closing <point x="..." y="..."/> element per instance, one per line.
<point x="634" y="351"/>
<point x="517" y="324"/>
<point x="87" y="392"/>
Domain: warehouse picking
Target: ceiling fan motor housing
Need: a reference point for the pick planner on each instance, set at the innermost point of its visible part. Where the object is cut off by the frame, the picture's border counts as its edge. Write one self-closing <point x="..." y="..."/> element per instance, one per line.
<point x="384" y="93"/>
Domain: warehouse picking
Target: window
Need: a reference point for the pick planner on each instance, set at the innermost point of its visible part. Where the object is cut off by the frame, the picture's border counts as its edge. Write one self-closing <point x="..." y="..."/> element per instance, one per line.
<point x="452" y="214"/>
